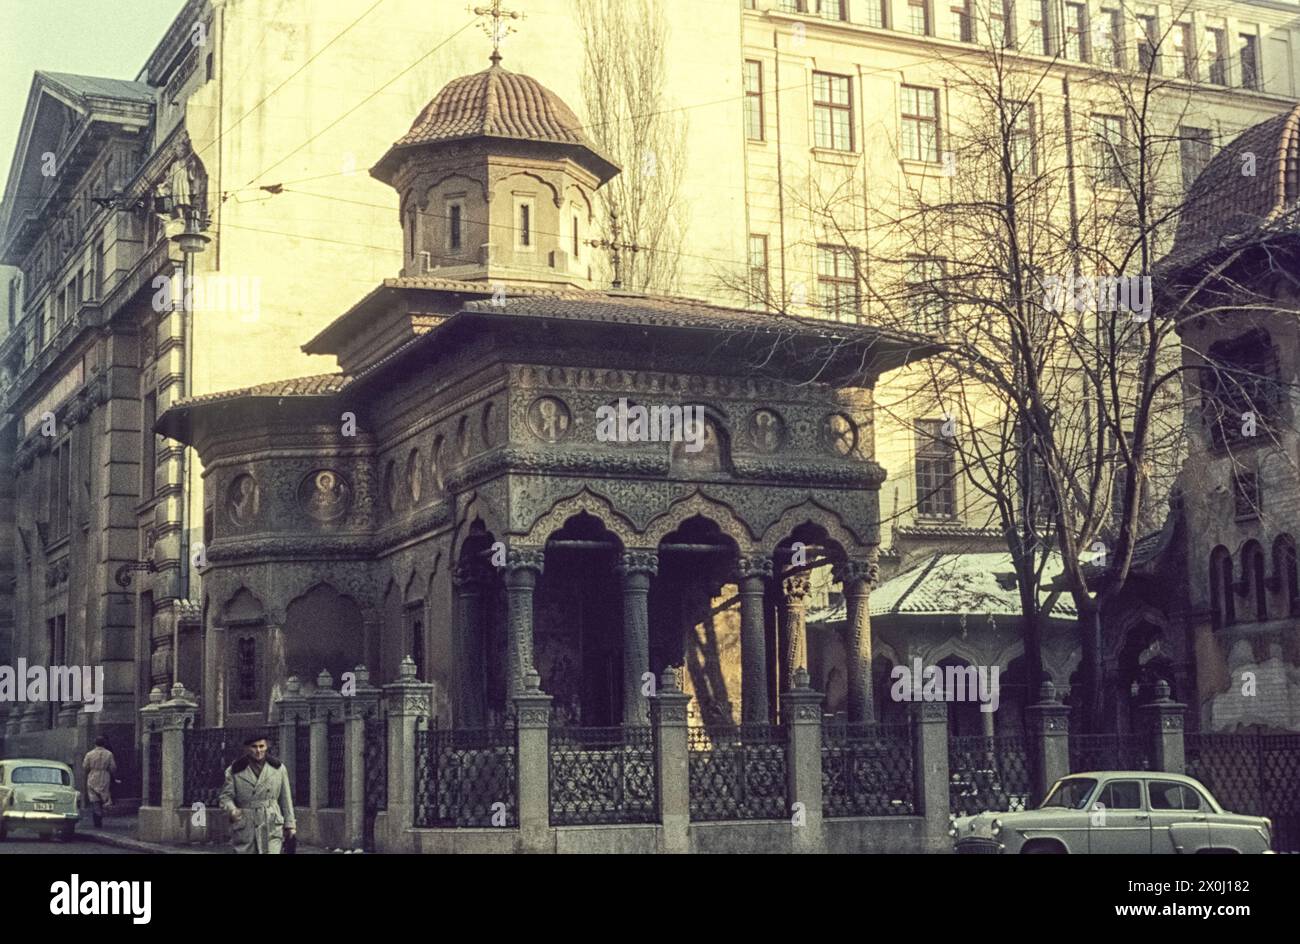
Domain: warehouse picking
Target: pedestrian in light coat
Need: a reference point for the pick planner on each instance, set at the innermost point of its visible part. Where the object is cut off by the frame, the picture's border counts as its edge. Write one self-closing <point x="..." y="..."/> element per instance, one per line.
<point x="100" y="767"/>
<point x="256" y="795"/>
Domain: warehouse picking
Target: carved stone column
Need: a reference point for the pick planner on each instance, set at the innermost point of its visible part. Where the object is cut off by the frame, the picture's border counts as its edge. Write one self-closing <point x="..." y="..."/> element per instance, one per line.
<point x="857" y="576"/>
<point x="523" y="566"/>
<point x="470" y="695"/>
<point x="751" y="573"/>
<point x="635" y="568"/>
<point x="794" y="628"/>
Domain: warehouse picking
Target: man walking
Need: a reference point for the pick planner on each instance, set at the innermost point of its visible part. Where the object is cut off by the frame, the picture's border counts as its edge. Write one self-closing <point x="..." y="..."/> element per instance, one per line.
<point x="100" y="766"/>
<point x="256" y="795"/>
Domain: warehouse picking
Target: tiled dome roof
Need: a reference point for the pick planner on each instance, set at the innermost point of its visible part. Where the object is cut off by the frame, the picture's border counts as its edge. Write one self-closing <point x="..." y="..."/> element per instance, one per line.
<point x="497" y="103"/>
<point x="1225" y="202"/>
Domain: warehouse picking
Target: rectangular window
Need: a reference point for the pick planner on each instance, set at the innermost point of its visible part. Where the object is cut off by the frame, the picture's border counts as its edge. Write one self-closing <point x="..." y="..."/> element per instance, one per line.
<point x="837" y="282"/>
<point x="1076" y="32"/>
<point x="1195" y="148"/>
<point x="246" y="668"/>
<point x="1002" y="20"/>
<point x="961" y="22"/>
<point x="754" y="100"/>
<point x="148" y="447"/>
<point x="832" y="9"/>
<point x="13" y="301"/>
<point x="832" y="112"/>
<point x="1147" y="39"/>
<point x="576" y="243"/>
<point x="1248" y="53"/>
<point x="1022" y="142"/>
<point x="791" y="6"/>
<point x="1246" y="497"/>
<point x="925" y="301"/>
<point x="1184" y="62"/>
<point x="918" y="17"/>
<point x="1108" y="131"/>
<point x="758" y="278"/>
<point x="454" y="234"/>
<point x="525" y="225"/>
<point x="920" y="121"/>
<point x="1216" y="55"/>
<point x="1038" y="31"/>
<point x="936" y="484"/>
<point x="873" y="13"/>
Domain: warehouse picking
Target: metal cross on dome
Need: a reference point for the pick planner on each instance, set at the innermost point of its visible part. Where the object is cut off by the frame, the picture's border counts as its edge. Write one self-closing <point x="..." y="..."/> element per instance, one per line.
<point x="497" y="30"/>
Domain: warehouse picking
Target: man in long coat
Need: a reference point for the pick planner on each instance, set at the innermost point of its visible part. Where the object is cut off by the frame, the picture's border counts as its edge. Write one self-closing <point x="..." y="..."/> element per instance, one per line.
<point x="256" y="795"/>
<point x="100" y="767"/>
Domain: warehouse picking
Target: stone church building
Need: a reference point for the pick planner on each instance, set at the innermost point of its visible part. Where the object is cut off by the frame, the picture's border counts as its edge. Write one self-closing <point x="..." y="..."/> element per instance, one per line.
<point x="445" y="495"/>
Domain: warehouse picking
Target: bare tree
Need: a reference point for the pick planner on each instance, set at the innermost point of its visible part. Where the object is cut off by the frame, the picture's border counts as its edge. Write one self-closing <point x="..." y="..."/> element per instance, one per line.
<point x="630" y="118"/>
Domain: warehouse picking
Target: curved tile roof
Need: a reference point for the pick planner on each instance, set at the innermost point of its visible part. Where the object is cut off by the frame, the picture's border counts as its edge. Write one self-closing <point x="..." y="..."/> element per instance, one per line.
<point x="1225" y="202"/>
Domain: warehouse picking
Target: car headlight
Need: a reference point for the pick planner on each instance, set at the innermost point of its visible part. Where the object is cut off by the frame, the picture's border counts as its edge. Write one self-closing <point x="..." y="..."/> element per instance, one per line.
<point x="996" y="827"/>
<point x="952" y="831"/>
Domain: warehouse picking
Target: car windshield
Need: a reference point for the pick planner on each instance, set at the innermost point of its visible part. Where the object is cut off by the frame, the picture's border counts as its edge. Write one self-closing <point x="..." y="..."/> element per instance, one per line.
<point x="1070" y="794"/>
<point x="54" y="775"/>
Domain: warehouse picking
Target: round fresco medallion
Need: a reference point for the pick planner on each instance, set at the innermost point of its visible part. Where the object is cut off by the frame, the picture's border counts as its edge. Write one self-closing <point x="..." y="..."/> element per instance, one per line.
<point x="243" y="499"/>
<point x="489" y="425"/>
<point x="413" y="476"/>
<point x="549" y="419"/>
<point x="766" y="430"/>
<point x="839" y="434"/>
<point x="325" y="495"/>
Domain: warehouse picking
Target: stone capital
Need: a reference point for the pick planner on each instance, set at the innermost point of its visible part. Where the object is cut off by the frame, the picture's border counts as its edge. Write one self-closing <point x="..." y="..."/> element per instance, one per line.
<point x="637" y="562"/>
<point x="757" y="565"/>
<point x="797" y="588"/>
<point x="524" y="559"/>
<point x="858" y="571"/>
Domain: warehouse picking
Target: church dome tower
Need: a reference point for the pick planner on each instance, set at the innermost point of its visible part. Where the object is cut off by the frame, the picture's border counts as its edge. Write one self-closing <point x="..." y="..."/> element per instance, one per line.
<point x="496" y="181"/>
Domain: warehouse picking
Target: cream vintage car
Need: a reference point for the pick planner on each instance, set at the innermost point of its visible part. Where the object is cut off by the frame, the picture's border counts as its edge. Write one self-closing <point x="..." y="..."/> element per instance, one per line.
<point x="38" y="795"/>
<point x="1116" y="811"/>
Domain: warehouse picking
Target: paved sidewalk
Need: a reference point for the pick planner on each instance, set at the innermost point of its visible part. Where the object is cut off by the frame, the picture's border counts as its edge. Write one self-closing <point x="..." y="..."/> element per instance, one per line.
<point x="120" y="831"/>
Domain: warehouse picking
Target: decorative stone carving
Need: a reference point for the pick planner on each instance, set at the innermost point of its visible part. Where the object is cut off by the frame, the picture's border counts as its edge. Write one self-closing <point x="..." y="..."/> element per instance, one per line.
<point x="488" y="425"/>
<point x="462" y="438"/>
<point x="518" y="558"/>
<point x="637" y="562"/>
<point x="243" y="500"/>
<point x="754" y="566"/>
<point x="549" y="419"/>
<point x="414" y="482"/>
<point x="588" y="501"/>
<point x="325" y="495"/>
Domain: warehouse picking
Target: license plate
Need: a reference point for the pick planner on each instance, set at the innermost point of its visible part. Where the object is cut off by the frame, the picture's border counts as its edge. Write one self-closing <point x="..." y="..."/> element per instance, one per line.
<point x="45" y="807"/>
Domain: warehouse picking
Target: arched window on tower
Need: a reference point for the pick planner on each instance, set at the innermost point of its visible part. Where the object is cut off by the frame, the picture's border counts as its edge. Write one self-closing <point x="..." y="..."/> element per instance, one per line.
<point x="1222" y="610"/>
<point x="1252" y="578"/>
<point x="1284" y="574"/>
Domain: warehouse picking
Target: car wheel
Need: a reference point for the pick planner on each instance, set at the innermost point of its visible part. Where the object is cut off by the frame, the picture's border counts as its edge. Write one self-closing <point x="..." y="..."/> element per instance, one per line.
<point x="1042" y="848"/>
<point x="67" y="833"/>
<point x="45" y="836"/>
<point x="4" y="830"/>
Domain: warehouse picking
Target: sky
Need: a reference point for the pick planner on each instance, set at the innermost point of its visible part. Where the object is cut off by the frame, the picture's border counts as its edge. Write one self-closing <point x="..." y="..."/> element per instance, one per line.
<point x="110" y="38"/>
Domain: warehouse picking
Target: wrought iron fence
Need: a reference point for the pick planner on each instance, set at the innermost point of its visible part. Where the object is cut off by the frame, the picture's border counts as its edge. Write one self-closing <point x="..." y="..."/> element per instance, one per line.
<point x="302" y="764"/>
<point x="334" y="761"/>
<point x="867" y="770"/>
<point x="603" y="775"/>
<point x="1254" y="774"/>
<point x="1109" y="752"/>
<point x="466" y="777"/>
<point x="374" y="752"/>
<point x="990" y="773"/>
<point x="207" y="754"/>
<point x="737" y="772"/>
<point x="154" y="767"/>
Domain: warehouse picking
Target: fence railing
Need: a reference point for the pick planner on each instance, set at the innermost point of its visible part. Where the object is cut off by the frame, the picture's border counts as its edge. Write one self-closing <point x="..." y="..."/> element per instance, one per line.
<point x="1254" y="774"/>
<point x="374" y="759"/>
<point x="1109" y="752"/>
<point x="153" y="767"/>
<point x="466" y="778"/>
<point x="990" y="773"/>
<point x="603" y="775"/>
<point x="301" y="764"/>
<point x="334" y="760"/>
<point x="867" y="770"/>
<point x="207" y="754"/>
<point x="737" y="772"/>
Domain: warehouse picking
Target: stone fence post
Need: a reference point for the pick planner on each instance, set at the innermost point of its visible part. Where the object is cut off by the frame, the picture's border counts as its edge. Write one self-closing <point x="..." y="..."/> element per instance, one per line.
<point x="291" y="710"/>
<point x="150" y="728"/>
<point x="533" y="760"/>
<point x="803" y="720"/>
<point x="168" y="720"/>
<point x="326" y="705"/>
<point x="668" y="715"/>
<point x="1049" y="729"/>
<point x="361" y="703"/>
<point x="930" y="765"/>
<point x="407" y="702"/>
<point x="1164" y="722"/>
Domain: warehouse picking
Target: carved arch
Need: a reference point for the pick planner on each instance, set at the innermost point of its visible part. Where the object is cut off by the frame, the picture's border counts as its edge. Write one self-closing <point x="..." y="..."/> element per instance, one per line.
<point x="814" y="513"/>
<point x="699" y="504"/>
<point x="1116" y="638"/>
<point x="586" y="500"/>
<point x="582" y="198"/>
<point x="424" y="184"/>
<point x="556" y="196"/>
<point x="475" y="506"/>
